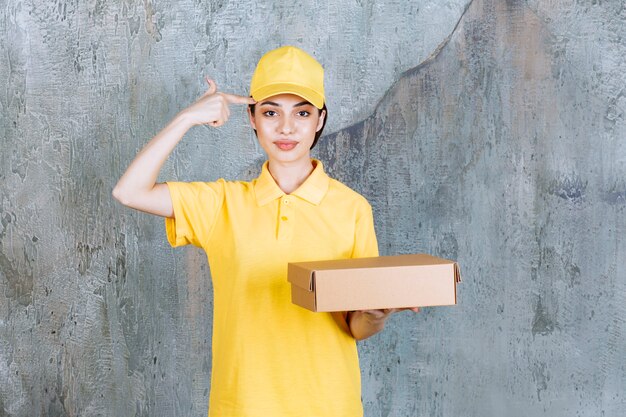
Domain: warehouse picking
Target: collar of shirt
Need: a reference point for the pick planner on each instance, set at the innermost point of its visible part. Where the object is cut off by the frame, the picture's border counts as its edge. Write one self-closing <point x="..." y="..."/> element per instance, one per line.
<point x="313" y="189"/>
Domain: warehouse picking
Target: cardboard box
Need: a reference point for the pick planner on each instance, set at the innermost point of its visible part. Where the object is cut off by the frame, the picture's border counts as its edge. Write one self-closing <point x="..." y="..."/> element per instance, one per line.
<point x="418" y="280"/>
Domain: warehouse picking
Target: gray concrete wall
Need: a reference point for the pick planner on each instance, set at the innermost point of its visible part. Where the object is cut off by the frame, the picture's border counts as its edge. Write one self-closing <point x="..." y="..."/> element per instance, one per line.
<point x="488" y="131"/>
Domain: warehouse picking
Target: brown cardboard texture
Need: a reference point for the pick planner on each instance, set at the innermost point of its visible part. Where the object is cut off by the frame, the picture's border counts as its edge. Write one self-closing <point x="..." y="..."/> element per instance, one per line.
<point x="418" y="280"/>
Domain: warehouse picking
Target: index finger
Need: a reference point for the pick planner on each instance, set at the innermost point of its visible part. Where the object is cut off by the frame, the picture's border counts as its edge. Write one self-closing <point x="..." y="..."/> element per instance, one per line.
<point x="235" y="99"/>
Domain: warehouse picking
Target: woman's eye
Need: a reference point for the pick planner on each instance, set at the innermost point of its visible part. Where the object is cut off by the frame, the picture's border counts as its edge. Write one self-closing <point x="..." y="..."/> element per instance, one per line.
<point x="270" y="113"/>
<point x="303" y="113"/>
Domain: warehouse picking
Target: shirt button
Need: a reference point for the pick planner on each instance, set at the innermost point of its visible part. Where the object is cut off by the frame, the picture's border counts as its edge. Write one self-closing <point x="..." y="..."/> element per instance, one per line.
<point x="284" y="218"/>
<point x="286" y="201"/>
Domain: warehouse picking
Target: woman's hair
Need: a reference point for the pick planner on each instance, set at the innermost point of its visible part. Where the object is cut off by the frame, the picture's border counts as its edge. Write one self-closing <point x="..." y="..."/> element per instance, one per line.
<point x="317" y="134"/>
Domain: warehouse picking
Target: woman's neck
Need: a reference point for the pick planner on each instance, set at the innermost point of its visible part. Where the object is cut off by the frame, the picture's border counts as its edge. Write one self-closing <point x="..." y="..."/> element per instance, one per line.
<point x="289" y="176"/>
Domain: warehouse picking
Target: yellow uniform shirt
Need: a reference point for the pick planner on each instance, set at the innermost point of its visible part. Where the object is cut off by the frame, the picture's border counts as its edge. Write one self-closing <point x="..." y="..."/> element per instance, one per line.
<point x="272" y="358"/>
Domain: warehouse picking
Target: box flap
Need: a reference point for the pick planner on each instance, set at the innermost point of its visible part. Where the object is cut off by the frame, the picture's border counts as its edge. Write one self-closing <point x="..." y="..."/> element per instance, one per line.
<point x="303" y="297"/>
<point x="457" y="273"/>
<point x="301" y="277"/>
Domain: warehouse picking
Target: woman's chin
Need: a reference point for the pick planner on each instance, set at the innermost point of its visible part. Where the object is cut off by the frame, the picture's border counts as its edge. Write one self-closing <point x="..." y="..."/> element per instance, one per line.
<point x="290" y="156"/>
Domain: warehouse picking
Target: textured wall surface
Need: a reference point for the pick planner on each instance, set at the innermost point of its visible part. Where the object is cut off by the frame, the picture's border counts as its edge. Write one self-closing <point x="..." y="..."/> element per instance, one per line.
<point x="487" y="131"/>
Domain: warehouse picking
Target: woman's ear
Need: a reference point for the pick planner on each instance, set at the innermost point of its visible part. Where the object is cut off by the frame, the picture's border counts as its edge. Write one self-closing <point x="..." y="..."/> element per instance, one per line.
<point x="320" y="120"/>
<point x="251" y="117"/>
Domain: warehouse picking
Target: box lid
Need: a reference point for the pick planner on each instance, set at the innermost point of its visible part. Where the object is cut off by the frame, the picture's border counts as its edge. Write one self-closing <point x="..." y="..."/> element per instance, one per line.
<point x="302" y="274"/>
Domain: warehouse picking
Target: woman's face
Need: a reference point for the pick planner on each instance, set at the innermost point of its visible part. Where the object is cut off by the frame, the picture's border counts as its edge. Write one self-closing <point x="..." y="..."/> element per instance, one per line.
<point x="286" y="125"/>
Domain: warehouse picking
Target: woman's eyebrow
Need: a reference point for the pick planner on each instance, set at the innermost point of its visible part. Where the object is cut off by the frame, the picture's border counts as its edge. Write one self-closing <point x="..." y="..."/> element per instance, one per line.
<point x="271" y="103"/>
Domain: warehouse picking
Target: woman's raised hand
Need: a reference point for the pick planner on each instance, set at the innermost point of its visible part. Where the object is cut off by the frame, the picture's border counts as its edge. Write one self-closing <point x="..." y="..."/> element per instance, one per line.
<point x="138" y="188"/>
<point x="212" y="108"/>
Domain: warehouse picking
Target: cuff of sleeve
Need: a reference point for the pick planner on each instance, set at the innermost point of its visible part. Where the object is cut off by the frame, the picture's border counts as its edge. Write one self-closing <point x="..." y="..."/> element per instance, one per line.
<point x="176" y="230"/>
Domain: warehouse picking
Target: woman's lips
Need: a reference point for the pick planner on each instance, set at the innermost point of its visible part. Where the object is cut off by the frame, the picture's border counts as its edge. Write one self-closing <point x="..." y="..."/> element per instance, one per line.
<point x="286" y="145"/>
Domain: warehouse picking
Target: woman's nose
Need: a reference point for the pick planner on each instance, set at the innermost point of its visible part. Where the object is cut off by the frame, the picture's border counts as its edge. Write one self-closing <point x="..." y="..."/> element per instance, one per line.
<point x="286" y="126"/>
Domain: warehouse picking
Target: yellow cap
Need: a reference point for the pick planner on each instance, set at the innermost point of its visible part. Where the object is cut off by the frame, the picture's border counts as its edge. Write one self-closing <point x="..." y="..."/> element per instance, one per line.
<point x="288" y="70"/>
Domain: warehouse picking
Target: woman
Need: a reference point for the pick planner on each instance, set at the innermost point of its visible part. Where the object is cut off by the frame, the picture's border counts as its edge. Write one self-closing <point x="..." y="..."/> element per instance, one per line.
<point x="270" y="357"/>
